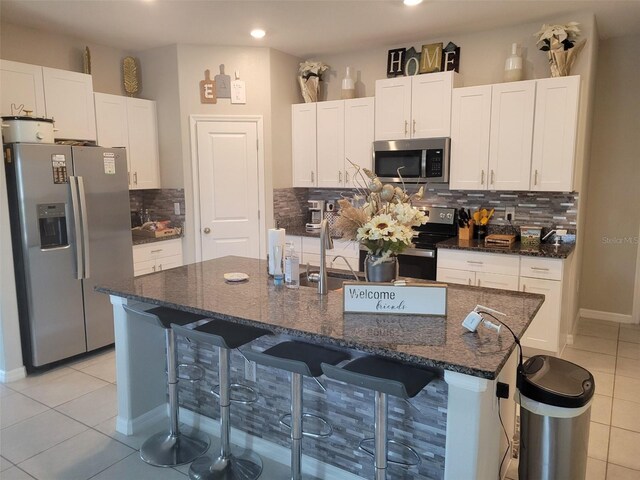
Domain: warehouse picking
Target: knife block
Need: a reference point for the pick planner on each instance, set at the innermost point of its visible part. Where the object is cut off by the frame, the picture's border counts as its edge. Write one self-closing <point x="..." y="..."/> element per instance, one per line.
<point x="466" y="233"/>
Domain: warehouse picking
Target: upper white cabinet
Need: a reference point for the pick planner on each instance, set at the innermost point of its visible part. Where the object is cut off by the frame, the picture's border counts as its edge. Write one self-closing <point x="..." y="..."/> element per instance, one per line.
<point x="515" y="136"/>
<point x="65" y="96"/>
<point x="330" y="143"/>
<point x="358" y="137"/>
<point x="303" y="141"/>
<point x="21" y="86"/>
<point x="69" y="101"/>
<point x="131" y="123"/>
<point x="325" y="135"/>
<point x="414" y="107"/>
<point x="554" y="134"/>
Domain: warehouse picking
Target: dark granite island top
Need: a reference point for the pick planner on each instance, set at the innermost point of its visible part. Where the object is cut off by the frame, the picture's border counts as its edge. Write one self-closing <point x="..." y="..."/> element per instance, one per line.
<point x="543" y="250"/>
<point x="427" y="341"/>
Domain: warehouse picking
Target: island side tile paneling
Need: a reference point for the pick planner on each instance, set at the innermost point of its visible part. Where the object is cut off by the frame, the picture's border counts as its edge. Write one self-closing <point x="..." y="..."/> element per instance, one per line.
<point x="421" y="424"/>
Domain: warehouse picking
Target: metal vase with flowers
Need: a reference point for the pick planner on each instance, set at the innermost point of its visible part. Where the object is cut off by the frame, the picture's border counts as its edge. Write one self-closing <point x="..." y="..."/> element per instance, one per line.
<point x="383" y="225"/>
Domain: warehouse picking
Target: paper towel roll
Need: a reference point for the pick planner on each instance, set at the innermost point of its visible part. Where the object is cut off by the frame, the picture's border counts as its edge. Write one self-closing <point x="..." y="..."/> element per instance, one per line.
<point x="275" y="237"/>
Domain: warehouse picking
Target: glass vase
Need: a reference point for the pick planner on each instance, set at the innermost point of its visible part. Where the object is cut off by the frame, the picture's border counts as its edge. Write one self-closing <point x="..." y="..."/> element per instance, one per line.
<point x="381" y="272"/>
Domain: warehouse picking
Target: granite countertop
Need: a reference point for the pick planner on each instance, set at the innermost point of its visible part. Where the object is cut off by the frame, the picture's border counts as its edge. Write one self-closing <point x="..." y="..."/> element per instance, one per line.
<point x="142" y="240"/>
<point x="544" y="250"/>
<point x="302" y="231"/>
<point x="439" y="342"/>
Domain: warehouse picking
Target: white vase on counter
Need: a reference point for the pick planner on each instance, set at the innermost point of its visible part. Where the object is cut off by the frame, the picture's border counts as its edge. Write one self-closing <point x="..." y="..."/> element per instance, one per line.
<point x="513" y="65"/>
<point x="348" y="86"/>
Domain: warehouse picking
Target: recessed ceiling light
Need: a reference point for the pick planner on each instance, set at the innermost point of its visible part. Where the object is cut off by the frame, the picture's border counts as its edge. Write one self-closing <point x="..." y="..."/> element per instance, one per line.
<point x="411" y="3"/>
<point x="258" y="33"/>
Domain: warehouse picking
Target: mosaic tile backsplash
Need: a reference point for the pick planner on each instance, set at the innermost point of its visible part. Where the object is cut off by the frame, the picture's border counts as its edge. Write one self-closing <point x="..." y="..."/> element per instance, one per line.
<point x="421" y="424"/>
<point x="547" y="209"/>
<point x="159" y="202"/>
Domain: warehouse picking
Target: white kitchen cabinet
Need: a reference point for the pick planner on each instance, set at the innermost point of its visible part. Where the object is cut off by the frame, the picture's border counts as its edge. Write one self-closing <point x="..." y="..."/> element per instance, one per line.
<point x="414" y="107"/>
<point x="22" y="85"/>
<point x="69" y="101"/>
<point x="544" y="331"/>
<point x="358" y="137"/>
<point x="131" y="123"/>
<point x="554" y="134"/>
<point x="511" y="136"/>
<point x="497" y="280"/>
<point x="470" y="126"/>
<point x="458" y="277"/>
<point x="157" y="256"/>
<point x="309" y="252"/>
<point x="303" y="140"/>
<point x="330" y="143"/>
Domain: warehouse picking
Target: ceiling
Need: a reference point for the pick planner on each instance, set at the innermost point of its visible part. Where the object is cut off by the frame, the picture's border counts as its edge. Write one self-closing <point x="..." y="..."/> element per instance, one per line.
<point x="300" y="27"/>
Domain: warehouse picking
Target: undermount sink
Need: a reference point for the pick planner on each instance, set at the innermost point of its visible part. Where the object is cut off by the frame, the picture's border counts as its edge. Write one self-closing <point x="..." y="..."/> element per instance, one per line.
<point x="334" y="280"/>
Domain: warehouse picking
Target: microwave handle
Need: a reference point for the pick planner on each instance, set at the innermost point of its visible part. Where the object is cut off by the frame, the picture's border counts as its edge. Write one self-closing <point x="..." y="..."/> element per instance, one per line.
<point x="423" y="163"/>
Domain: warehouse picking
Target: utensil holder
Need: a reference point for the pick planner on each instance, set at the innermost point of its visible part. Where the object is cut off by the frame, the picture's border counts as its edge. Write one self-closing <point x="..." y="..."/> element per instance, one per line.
<point x="466" y="233"/>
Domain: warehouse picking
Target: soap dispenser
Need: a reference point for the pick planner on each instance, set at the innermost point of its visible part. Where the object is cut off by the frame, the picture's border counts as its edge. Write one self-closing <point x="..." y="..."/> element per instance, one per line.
<point x="513" y="65"/>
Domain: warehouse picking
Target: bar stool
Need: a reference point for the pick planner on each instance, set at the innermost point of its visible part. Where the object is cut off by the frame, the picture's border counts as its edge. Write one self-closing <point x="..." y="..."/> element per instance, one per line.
<point x="384" y="377"/>
<point x="172" y="448"/>
<point x="231" y="464"/>
<point x="301" y="359"/>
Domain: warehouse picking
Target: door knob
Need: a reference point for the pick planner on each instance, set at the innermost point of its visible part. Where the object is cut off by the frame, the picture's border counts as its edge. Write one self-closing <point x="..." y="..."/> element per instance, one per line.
<point x="207" y="230"/>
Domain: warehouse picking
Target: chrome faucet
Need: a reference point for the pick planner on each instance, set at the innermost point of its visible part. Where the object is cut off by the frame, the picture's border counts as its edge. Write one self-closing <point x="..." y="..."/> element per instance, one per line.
<point x="325" y="243"/>
<point x="355" y="275"/>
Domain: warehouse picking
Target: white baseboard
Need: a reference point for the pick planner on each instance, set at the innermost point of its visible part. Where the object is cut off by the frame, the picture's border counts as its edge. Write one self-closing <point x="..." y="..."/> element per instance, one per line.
<point x="265" y="448"/>
<point x="129" y="427"/>
<point x="609" y="316"/>
<point x="12" y="375"/>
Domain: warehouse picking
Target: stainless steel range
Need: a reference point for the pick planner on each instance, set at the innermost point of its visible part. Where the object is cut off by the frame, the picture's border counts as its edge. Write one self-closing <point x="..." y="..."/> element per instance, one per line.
<point x="421" y="261"/>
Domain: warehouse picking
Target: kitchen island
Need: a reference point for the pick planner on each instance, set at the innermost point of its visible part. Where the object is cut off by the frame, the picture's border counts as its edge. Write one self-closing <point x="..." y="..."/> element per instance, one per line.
<point x="462" y="442"/>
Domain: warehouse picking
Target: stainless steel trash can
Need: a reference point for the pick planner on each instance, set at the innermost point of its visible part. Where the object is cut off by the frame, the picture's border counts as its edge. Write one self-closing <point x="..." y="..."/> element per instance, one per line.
<point x="555" y="410"/>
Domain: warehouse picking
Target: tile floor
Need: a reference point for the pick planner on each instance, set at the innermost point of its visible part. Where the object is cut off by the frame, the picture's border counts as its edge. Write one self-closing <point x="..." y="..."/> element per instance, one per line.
<point x="60" y="425"/>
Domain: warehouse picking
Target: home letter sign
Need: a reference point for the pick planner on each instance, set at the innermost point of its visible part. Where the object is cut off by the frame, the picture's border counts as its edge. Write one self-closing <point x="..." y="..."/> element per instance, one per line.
<point x="395" y="62"/>
<point x="431" y="60"/>
<point x="451" y="58"/>
<point x="392" y="299"/>
<point x="207" y="89"/>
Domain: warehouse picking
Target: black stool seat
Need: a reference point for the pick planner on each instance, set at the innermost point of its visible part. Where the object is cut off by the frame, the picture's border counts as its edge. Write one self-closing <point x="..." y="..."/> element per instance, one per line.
<point x="224" y="334"/>
<point x="297" y="357"/>
<point x="167" y="316"/>
<point x="382" y="375"/>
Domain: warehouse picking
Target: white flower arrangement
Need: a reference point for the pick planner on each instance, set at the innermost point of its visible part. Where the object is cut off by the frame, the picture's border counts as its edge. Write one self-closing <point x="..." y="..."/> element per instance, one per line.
<point x="555" y="37"/>
<point x="309" y="76"/>
<point x="384" y="225"/>
<point x="312" y="69"/>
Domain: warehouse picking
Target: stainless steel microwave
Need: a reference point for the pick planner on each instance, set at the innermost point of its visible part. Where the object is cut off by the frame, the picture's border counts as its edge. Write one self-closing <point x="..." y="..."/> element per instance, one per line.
<point x="420" y="160"/>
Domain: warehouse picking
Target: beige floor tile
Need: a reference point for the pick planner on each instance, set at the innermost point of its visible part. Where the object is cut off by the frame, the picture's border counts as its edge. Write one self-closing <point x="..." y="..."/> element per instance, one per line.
<point x="628" y="367"/>
<point x="590" y="360"/>
<point x="598" y="441"/>
<point x="4" y="464"/>
<point x="4" y="390"/>
<point x="604" y="383"/>
<point x="625" y="415"/>
<point x="134" y="467"/>
<point x="104" y="369"/>
<point x="15" y="408"/>
<point x="92" y="359"/>
<point x="624" y="448"/>
<point x="92" y="408"/>
<point x="36" y="434"/>
<point x="629" y="350"/>
<point x="616" y="472"/>
<point x="596" y="469"/>
<point x="626" y="388"/>
<point x="598" y="328"/>
<point x="629" y="334"/>
<point x="14" y="473"/>
<point x="601" y="409"/>
<point x="79" y="457"/>
<point x="594" y="344"/>
<point x="36" y="379"/>
<point x="134" y="441"/>
<point x="64" y="388"/>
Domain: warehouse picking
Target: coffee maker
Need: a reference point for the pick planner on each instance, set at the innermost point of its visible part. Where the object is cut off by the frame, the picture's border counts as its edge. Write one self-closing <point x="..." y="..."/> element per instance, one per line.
<point x="316" y="208"/>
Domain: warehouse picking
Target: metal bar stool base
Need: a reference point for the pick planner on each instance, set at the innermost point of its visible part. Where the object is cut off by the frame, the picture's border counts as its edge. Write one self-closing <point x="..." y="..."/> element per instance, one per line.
<point x="328" y="429"/>
<point x="402" y="446"/>
<point x="240" y="465"/>
<point x="166" y="450"/>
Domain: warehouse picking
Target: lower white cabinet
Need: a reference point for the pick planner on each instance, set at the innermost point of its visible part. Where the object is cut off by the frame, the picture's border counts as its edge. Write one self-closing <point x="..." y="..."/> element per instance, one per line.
<point x="308" y="249"/>
<point x="157" y="256"/>
<point x="547" y="332"/>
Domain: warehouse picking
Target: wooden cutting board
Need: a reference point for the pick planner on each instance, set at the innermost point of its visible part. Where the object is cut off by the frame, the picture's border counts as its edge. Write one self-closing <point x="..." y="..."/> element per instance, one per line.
<point x="500" y="240"/>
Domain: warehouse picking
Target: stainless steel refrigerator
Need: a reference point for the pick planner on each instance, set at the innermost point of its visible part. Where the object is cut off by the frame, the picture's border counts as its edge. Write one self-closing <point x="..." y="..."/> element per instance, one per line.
<point x="70" y="230"/>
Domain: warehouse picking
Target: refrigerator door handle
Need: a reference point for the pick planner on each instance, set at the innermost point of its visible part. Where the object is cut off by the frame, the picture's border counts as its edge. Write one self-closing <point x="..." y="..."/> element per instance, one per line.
<point x="77" y="226"/>
<point x="85" y="226"/>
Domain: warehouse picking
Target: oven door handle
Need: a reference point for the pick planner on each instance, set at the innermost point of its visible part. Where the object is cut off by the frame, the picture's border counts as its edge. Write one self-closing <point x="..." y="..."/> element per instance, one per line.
<point x="418" y="252"/>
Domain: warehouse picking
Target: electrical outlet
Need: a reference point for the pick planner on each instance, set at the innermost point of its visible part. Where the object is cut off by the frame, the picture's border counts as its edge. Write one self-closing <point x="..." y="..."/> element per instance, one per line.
<point x="250" y="370"/>
<point x="176" y="208"/>
<point x="510" y="211"/>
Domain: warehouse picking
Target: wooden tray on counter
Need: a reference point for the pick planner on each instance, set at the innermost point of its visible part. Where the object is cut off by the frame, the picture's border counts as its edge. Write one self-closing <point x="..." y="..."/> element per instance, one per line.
<point x="167" y="232"/>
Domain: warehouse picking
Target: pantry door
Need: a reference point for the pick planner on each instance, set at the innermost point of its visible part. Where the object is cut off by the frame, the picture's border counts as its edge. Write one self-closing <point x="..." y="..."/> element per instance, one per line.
<point x="228" y="176"/>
